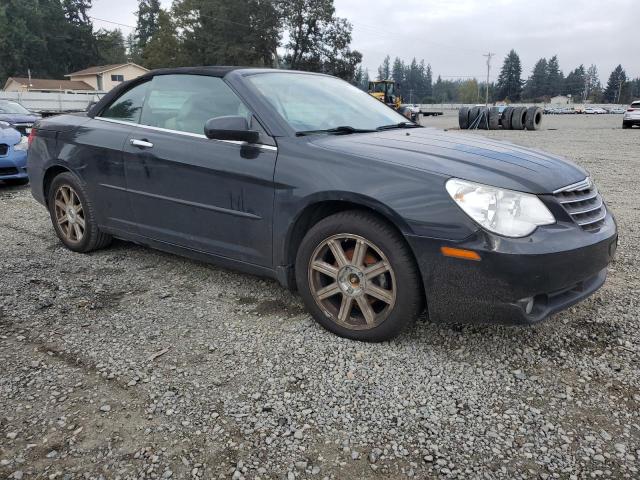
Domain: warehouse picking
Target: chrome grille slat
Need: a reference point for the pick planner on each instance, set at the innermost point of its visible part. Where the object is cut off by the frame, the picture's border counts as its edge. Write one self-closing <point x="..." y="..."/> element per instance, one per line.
<point x="589" y="196"/>
<point x="583" y="203"/>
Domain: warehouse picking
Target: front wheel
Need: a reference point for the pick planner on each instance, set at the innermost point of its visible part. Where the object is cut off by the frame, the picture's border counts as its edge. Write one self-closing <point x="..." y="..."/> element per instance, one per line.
<point x="358" y="277"/>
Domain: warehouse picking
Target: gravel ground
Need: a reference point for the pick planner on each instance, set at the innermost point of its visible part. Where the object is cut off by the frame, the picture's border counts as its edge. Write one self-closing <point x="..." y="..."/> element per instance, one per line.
<point x="130" y="363"/>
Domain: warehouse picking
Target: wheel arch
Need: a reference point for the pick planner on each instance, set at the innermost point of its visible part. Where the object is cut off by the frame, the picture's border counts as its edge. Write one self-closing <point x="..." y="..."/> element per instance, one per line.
<point x="320" y="208"/>
<point x="50" y="173"/>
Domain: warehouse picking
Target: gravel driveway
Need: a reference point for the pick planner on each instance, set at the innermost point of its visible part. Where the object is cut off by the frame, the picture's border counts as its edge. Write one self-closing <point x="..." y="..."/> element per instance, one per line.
<point x="130" y="363"/>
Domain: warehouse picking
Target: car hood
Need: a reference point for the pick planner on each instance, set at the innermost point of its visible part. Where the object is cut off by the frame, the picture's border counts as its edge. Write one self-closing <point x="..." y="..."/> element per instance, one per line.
<point x="17" y="118"/>
<point x="466" y="156"/>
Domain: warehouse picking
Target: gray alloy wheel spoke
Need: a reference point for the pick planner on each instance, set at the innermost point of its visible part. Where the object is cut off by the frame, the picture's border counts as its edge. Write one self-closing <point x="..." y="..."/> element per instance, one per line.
<point x="367" y="311"/>
<point x="345" y="308"/>
<point x="69" y="214"/>
<point x="380" y="293"/>
<point x="325" y="268"/>
<point x="376" y="270"/>
<point x="328" y="291"/>
<point x="338" y="253"/>
<point x="341" y="280"/>
<point x="359" y="253"/>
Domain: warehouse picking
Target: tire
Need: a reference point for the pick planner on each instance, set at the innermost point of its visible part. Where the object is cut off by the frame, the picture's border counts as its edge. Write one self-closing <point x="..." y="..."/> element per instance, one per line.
<point x="401" y="283"/>
<point x="519" y="118"/>
<point x="16" y="181"/>
<point x="534" y="118"/>
<point x="505" y="121"/>
<point x="626" y="124"/>
<point x="474" y="112"/>
<point x="91" y="238"/>
<point x="483" y="123"/>
<point x="494" y="118"/>
<point x="463" y="118"/>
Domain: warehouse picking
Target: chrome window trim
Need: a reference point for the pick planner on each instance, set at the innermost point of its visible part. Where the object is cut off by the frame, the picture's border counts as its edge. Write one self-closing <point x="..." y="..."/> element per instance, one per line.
<point x="187" y="134"/>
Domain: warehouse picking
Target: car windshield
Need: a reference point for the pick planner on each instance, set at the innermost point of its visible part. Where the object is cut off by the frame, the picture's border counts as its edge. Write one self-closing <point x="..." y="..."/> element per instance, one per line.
<point x="318" y="103"/>
<point x="13" y="107"/>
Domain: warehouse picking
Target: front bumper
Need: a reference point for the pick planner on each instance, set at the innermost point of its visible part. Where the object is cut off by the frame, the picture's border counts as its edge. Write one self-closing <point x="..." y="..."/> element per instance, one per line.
<point x="13" y="165"/>
<point x="556" y="267"/>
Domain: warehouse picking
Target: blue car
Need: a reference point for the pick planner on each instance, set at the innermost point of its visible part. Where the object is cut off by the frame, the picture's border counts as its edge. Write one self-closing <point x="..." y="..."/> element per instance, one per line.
<point x="17" y="116"/>
<point x="13" y="155"/>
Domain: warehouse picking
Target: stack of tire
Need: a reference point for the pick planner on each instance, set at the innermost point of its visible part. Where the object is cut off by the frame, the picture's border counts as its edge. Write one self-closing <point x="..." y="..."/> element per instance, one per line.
<point x="490" y="118"/>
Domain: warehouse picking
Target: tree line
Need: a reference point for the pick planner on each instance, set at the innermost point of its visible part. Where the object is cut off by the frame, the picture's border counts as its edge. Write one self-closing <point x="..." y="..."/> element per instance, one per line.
<point x="548" y="80"/>
<point x="52" y="38"/>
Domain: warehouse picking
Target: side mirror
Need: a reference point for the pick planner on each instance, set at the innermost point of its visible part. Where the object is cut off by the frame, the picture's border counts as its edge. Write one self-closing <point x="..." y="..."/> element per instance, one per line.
<point x="233" y="127"/>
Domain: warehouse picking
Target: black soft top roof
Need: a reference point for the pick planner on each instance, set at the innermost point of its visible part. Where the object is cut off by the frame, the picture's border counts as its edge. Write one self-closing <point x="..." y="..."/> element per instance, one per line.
<point x="212" y="71"/>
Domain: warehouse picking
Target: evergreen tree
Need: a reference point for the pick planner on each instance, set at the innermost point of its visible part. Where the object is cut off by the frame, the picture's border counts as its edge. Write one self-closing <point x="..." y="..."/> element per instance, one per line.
<point x="509" y="83"/>
<point x="81" y="48"/>
<point x="592" y="87"/>
<point x="535" y="88"/>
<point x="384" y="70"/>
<point x="146" y="26"/>
<point x="575" y="82"/>
<point x="111" y="46"/>
<point x="617" y="79"/>
<point x="398" y="76"/>
<point x="163" y="49"/>
<point x="555" y="78"/>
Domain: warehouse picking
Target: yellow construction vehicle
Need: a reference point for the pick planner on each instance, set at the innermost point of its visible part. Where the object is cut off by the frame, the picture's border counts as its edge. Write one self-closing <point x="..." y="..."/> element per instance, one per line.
<point x="385" y="91"/>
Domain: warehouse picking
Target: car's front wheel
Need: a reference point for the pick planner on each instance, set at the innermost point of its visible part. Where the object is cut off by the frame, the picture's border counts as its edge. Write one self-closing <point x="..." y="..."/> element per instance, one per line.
<point x="358" y="277"/>
<point x="73" y="216"/>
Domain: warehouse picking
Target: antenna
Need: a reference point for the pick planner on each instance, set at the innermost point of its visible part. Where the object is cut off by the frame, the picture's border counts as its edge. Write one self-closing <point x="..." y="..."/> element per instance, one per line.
<point x="488" y="55"/>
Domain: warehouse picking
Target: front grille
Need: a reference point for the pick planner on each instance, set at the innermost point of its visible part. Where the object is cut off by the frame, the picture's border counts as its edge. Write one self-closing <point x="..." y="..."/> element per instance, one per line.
<point x="584" y="204"/>
<point x="8" y="171"/>
<point x="4" y="148"/>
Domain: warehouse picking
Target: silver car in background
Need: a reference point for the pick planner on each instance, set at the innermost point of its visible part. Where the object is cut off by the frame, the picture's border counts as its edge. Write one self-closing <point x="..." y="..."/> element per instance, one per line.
<point x="632" y="115"/>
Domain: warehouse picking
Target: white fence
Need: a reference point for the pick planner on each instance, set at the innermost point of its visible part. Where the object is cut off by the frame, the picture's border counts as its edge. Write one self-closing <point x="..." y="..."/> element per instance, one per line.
<point x="53" y="102"/>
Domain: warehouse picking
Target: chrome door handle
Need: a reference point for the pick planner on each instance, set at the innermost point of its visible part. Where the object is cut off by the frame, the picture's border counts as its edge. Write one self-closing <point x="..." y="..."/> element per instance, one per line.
<point x="141" y="143"/>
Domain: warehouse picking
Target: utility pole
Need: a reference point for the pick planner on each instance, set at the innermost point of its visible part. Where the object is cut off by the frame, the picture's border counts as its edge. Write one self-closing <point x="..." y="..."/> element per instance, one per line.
<point x="488" y="55"/>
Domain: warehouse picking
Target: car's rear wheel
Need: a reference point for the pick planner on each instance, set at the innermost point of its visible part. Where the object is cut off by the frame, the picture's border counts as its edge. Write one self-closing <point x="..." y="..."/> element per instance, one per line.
<point x="73" y="216"/>
<point x="626" y="125"/>
<point x="358" y="278"/>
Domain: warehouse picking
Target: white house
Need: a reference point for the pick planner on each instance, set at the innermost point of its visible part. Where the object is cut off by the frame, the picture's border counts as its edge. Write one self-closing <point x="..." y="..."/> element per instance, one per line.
<point x="106" y="77"/>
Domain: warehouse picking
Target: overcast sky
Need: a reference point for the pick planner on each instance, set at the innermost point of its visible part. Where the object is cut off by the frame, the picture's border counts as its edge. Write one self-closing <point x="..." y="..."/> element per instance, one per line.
<point x="452" y="35"/>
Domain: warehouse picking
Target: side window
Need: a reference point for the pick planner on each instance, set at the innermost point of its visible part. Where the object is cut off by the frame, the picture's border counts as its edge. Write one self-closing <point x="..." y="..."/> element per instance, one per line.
<point x="128" y="106"/>
<point x="186" y="102"/>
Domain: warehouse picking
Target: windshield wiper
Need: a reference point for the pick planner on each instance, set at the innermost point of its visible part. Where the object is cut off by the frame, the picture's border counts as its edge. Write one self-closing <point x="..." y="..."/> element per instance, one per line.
<point x="399" y="125"/>
<point x="343" y="129"/>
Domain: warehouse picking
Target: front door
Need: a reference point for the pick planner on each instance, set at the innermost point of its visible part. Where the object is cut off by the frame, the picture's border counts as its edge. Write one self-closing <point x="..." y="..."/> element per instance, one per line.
<point x="186" y="190"/>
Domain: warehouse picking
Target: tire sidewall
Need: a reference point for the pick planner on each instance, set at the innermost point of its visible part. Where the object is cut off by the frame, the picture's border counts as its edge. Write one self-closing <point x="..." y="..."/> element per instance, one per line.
<point x="407" y="286"/>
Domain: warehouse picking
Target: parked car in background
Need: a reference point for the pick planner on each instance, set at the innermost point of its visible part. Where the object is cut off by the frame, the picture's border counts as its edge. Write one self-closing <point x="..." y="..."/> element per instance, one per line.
<point x="17" y="116"/>
<point x="632" y="115"/>
<point x="305" y="178"/>
<point x="594" y="111"/>
<point x="617" y="110"/>
<point x="13" y="155"/>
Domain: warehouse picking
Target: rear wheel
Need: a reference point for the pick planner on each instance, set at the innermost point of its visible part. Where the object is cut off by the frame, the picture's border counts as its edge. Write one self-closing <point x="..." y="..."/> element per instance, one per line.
<point x="73" y="216"/>
<point x="358" y="278"/>
<point x="626" y="124"/>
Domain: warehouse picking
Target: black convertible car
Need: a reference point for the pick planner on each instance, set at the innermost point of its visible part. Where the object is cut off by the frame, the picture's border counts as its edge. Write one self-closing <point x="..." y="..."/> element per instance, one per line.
<point x="304" y="178"/>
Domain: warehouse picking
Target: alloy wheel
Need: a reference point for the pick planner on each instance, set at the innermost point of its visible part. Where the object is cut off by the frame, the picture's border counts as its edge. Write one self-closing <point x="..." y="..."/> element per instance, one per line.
<point x="352" y="281"/>
<point x="69" y="214"/>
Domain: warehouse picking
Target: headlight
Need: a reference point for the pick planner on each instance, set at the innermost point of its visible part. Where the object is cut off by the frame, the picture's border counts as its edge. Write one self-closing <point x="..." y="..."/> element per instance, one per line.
<point x="23" y="145"/>
<point x="505" y="212"/>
